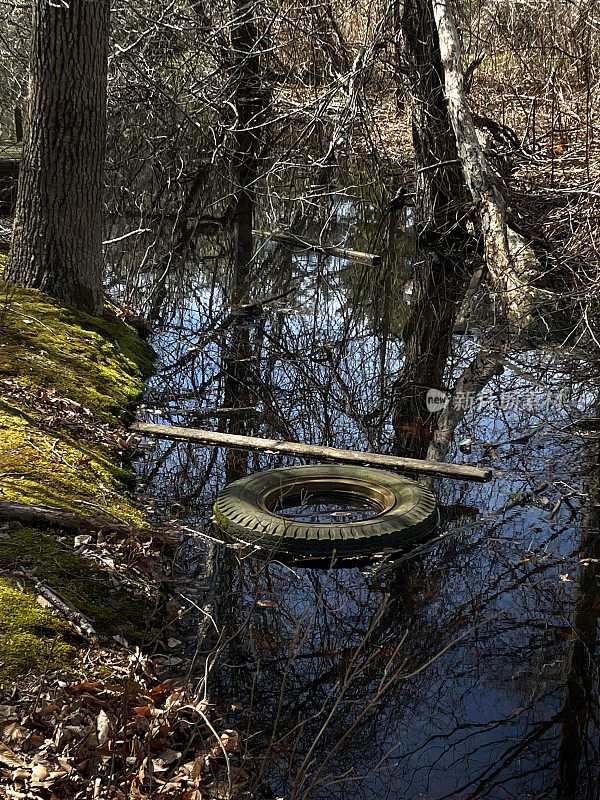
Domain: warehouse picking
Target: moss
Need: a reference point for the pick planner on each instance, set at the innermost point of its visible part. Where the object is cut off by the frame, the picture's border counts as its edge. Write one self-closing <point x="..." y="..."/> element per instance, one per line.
<point x="99" y="363"/>
<point x="31" y="637"/>
<point x="54" y="469"/>
<point x="123" y="612"/>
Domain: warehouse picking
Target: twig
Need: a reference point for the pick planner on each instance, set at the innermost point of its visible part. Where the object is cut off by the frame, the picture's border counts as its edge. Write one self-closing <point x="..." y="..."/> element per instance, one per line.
<point x="78" y="620"/>
<point x="127" y="235"/>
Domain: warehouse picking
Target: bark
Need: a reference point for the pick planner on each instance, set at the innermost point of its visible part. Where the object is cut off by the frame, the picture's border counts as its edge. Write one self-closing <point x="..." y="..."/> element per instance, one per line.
<point x="509" y="258"/>
<point x="311" y="451"/>
<point x="439" y="270"/>
<point x="57" y="235"/>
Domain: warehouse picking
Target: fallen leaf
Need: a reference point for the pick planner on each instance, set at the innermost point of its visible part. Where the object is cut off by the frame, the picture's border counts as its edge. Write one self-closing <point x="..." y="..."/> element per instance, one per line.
<point x="12" y="731"/>
<point x="168" y="756"/>
<point x="39" y="773"/>
<point x="230" y="740"/>
<point x="86" y="686"/>
<point x="9" y="758"/>
<point x="103" y="727"/>
<point x="161" y="692"/>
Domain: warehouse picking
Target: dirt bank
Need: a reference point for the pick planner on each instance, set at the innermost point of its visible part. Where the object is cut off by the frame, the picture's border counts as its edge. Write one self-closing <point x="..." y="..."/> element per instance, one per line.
<point x="67" y="381"/>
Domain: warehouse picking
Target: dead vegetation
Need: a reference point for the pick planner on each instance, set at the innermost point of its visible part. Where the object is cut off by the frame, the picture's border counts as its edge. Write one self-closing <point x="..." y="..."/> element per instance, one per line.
<point x="131" y="735"/>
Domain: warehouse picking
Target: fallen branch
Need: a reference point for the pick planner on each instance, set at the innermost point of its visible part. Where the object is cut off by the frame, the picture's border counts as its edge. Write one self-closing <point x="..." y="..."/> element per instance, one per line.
<point x="343" y="252"/>
<point x="207" y="413"/>
<point x="311" y="451"/>
<point x="127" y="235"/>
<point x="78" y="620"/>
<point x="57" y="518"/>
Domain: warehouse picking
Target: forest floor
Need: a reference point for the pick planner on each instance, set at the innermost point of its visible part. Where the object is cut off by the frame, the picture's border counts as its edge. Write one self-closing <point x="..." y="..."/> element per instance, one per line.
<point x="83" y="712"/>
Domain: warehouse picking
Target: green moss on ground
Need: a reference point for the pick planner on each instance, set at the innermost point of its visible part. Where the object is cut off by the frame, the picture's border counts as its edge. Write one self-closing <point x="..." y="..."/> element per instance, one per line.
<point x="99" y="363"/>
<point x="54" y="469"/>
<point x="96" y="362"/>
<point x="83" y="582"/>
<point x="31" y="637"/>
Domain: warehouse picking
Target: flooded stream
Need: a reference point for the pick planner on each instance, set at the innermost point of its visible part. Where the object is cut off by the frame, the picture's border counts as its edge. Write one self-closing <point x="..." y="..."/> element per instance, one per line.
<point x="465" y="669"/>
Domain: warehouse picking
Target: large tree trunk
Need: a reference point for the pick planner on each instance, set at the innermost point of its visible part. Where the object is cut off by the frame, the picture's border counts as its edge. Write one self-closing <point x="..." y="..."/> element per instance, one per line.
<point x="250" y="100"/>
<point x="439" y="182"/>
<point x="57" y="235"/>
<point x="439" y="277"/>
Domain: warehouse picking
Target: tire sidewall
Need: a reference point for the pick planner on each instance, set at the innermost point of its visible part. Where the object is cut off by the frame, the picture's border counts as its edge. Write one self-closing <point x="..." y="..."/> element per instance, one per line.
<point x="240" y="515"/>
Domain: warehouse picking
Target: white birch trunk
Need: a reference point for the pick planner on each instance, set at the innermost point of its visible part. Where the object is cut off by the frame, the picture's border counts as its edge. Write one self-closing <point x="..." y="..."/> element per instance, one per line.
<point x="509" y="258"/>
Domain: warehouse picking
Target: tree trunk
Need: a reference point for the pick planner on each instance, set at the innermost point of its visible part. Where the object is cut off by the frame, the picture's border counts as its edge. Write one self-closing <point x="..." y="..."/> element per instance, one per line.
<point x="250" y="100"/>
<point x="509" y="258"/>
<point x="474" y="378"/>
<point x="438" y="285"/>
<point x="439" y="277"/>
<point x="439" y="182"/>
<point x="57" y="235"/>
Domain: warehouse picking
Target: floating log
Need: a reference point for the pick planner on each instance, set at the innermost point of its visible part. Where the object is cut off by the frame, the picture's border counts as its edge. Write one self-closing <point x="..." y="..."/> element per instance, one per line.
<point x="342" y="252"/>
<point x="311" y="451"/>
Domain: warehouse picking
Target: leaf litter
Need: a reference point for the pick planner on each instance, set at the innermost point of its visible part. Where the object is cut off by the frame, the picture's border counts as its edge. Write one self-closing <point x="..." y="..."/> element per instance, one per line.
<point x="133" y="735"/>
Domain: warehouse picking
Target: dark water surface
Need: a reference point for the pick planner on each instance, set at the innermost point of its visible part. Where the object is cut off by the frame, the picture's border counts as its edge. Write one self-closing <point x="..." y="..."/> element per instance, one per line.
<point x="467" y="671"/>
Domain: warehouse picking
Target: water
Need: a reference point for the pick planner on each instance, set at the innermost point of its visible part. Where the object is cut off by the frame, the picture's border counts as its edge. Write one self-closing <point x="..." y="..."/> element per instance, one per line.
<point x="467" y="670"/>
<point x="325" y="509"/>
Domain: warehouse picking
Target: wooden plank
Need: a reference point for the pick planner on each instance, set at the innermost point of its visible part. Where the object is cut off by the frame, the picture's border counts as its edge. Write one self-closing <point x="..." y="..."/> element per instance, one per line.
<point x="343" y="252"/>
<point x="311" y="451"/>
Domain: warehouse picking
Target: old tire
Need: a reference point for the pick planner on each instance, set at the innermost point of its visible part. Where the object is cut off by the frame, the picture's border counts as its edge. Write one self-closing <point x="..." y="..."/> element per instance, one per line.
<point x="406" y="512"/>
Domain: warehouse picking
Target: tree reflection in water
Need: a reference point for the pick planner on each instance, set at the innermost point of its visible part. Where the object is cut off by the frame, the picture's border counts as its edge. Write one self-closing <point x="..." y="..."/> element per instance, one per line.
<point x="466" y="669"/>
